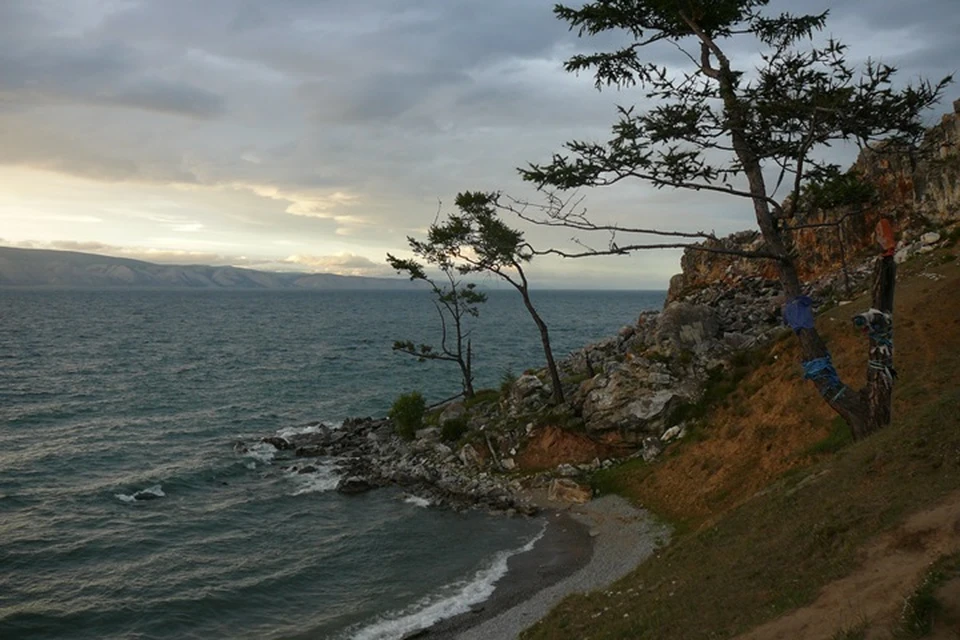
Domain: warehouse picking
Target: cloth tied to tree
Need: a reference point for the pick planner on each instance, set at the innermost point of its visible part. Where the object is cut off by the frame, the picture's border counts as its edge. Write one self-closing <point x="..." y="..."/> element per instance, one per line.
<point x="885" y="237"/>
<point x="798" y="313"/>
<point x="822" y="369"/>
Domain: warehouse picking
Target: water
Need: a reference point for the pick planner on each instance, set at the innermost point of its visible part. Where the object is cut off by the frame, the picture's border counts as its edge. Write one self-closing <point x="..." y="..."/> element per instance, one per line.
<point x="111" y="398"/>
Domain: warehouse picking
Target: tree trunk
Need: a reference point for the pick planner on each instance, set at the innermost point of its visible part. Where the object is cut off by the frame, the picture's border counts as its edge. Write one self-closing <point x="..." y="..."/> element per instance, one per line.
<point x="466" y="369"/>
<point x="547" y="351"/>
<point x="814" y="353"/>
<point x="878" y="323"/>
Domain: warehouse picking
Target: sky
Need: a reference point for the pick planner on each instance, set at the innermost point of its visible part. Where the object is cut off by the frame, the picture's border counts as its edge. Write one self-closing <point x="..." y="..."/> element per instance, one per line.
<point x="317" y="134"/>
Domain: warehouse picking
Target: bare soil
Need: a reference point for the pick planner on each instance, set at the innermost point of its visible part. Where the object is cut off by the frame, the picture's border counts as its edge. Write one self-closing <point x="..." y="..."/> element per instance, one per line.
<point x="872" y="597"/>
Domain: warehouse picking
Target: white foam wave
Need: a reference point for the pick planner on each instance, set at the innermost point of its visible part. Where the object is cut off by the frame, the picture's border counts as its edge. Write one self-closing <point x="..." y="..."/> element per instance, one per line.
<point x="261" y="452"/>
<point x="432" y="609"/>
<point x="150" y="493"/>
<point x="417" y="501"/>
<point x="324" y="479"/>
<point x="286" y="432"/>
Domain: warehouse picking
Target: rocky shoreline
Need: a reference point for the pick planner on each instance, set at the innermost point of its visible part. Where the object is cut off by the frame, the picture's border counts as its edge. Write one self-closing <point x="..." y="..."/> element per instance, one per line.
<point x="636" y="392"/>
<point x="629" y="396"/>
<point x="368" y="454"/>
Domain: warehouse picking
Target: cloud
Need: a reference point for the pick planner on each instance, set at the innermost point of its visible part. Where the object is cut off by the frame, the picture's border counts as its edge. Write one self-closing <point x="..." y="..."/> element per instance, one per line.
<point x="167" y="97"/>
<point x="346" y="264"/>
<point x="147" y="254"/>
<point x="342" y="123"/>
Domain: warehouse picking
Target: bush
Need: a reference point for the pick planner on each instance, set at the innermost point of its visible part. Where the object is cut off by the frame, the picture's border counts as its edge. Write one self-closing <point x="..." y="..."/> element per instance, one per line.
<point x="407" y="414"/>
<point x="452" y="430"/>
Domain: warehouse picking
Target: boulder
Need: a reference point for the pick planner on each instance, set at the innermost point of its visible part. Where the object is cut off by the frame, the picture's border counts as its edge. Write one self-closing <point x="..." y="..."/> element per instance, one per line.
<point x="566" y="490"/>
<point x="469" y="457"/>
<point x="276" y="441"/>
<point x="353" y="485"/>
<point x="567" y="470"/>
<point x="652" y="447"/>
<point x="687" y="327"/>
<point x="652" y="405"/>
<point x="672" y="433"/>
<point x="430" y="433"/>
<point x="525" y="386"/>
<point x="453" y="411"/>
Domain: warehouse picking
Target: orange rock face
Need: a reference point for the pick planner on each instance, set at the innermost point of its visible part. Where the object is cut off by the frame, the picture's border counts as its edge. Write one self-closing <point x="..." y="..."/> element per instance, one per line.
<point x="916" y="188"/>
<point x="551" y="446"/>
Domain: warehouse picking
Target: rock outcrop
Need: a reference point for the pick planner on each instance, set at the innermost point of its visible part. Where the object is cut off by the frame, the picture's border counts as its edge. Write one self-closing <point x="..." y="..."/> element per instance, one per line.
<point x="367" y="455"/>
<point x="919" y="188"/>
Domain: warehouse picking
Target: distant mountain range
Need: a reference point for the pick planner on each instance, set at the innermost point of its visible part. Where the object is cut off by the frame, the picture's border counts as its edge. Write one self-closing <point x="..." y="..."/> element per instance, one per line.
<point x="69" y="269"/>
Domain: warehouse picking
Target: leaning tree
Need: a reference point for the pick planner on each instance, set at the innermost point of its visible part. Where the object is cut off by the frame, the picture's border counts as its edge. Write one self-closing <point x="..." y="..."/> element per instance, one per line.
<point x="713" y="125"/>
<point x="455" y="301"/>
<point x="479" y="241"/>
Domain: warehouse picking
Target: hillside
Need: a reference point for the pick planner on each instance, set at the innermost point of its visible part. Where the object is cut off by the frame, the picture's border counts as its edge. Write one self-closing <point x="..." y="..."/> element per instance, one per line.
<point x="779" y="512"/>
<point x="68" y="269"/>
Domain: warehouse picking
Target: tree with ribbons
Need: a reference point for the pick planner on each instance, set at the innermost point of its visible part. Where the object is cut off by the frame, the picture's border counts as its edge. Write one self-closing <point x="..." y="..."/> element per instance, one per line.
<point x="718" y="127"/>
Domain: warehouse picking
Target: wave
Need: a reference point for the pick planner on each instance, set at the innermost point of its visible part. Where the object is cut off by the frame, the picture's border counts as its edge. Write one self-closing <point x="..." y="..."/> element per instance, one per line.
<point x="286" y="432"/>
<point x="417" y="501"/>
<point x="314" y="478"/>
<point x="150" y="493"/>
<point x="262" y="452"/>
<point x="432" y="609"/>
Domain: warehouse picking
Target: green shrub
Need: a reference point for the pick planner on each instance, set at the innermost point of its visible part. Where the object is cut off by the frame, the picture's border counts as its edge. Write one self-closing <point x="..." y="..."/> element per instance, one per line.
<point x="453" y="430"/>
<point x="407" y="414"/>
<point x="921" y="608"/>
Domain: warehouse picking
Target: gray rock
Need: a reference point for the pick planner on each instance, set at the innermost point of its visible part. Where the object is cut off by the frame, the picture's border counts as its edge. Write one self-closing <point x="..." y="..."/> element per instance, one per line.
<point x="567" y="470"/>
<point x="469" y="457"/>
<point x="277" y="442"/>
<point x="430" y="433"/>
<point x="353" y="485"/>
<point x="525" y="386"/>
<point x="671" y="434"/>
<point x="652" y="447"/>
<point x="651" y="406"/>
<point x="452" y="411"/>
<point x="929" y="238"/>
<point x="686" y="326"/>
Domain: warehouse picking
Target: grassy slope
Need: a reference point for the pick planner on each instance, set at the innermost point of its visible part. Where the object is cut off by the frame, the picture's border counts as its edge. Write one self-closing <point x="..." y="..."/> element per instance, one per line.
<point x="771" y="504"/>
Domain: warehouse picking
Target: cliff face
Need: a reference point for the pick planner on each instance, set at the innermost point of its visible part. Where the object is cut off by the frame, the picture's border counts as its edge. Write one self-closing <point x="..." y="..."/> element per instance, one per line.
<point x="920" y="188"/>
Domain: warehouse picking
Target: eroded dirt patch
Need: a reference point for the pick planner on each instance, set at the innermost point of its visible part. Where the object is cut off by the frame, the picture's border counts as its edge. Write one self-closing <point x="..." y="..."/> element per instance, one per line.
<point x="873" y="594"/>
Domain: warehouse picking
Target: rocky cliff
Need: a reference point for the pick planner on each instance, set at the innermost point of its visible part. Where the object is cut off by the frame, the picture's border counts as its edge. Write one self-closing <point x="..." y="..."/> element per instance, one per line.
<point x="919" y="188"/>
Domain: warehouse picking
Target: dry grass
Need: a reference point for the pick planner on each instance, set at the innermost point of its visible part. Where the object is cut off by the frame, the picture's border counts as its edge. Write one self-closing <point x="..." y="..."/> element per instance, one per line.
<point x="769" y="517"/>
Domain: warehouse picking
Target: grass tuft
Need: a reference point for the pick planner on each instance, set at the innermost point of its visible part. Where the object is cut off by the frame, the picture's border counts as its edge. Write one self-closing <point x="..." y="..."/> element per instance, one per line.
<point x="839" y="438"/>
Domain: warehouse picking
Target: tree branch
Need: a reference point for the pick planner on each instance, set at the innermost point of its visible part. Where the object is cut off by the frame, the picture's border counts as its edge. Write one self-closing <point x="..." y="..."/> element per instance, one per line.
<point x="557" y="217"/>
<point x="626" y="249"/>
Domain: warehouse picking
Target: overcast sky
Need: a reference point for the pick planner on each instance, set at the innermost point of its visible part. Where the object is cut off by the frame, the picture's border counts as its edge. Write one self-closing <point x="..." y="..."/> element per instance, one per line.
<point x="317" y="134"/>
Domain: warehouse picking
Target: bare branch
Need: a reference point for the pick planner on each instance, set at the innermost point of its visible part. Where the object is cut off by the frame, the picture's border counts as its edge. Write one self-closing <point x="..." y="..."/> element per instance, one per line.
<point x="626" y="249"/>
<point x="817" y="225"/>
<point x="559" y="213"/>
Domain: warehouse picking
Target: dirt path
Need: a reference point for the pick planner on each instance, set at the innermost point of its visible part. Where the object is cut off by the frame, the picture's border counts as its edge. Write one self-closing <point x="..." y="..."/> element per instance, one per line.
<point x="892" y="567"/>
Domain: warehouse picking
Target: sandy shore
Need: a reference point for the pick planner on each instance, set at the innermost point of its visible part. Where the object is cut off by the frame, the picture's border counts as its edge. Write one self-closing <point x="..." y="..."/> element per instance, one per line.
<point x="585" y="547"/>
